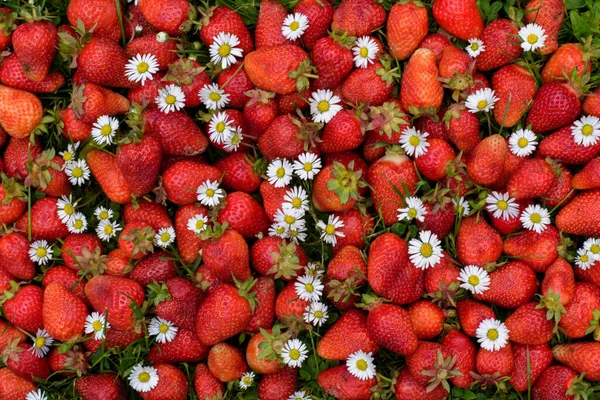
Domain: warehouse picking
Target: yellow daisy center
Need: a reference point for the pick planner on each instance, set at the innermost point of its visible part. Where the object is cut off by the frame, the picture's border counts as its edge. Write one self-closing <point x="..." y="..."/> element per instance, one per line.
<point x="502" y="205"/>
<point x="523" y="142"/>
<point x="68" y="156"/>
<point x="584" y="258"/>
<point x="308" y="167"/>
<point x="296" y="202"/>
<point x="587" y="130"/>
<point x="473" y="280"/>
<point x="289" y="219"/>
<point x="97" y="326"/>
<point x="330" y="229"/>
<point x="143" y="67"/>
<point x="318" y="314"/>
<point x="532" y="38"/>
<point x="412" y="213"/>
<point x="165" y="237"/>
<point x="235" y="140"/>
<point x="323" y="106"/>
<point x="309" y="287"/>
<point x="280" y="230"/>
<point x="77" y="172"/>
<point x="106" y="130"/>
<point x="144" y="377"/>
<point x="78" y="224"/>
<point x="280" y="172"/>
<point x="482" y="104"/>
<point x="414" y="141"/>
<point x="474" y="46"/>
<point x="492" y="334"/>
<point x="214" y="96"/>
<point x="595" y="249"/>
<point x="364" y="52"/>
<point x="361" y="365"/>
<point x="40" y="342"/>
<point x="170" y="99"/>
<point x="199" y="224"/>
<point x="103" y="215"/>
<point x="220" y="127"/>
<point x="163" y="328"/>
<point x="247" y="380"/>
<point x="535" y="218"/>
<point x="210" y="192"/>
<point x="224" y="50"/>
<point x="41" y="252"/>
<point x="294" y="26"/>
<point x="68" y="209"/>
<point x="294" y="354"/>
<point x="426" y="250"/>
<point x="108" y="229"/>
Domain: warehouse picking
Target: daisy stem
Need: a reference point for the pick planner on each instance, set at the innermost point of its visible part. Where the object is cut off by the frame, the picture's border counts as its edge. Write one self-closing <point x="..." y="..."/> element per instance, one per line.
<point x="120" y="16"/>
<point x="314" y="350"/>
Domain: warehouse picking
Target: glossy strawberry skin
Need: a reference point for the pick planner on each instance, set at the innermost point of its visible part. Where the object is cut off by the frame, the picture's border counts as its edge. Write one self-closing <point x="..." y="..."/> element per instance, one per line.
<point x="581" y="356"/>
<point x="281" y="384"/>
<point x="206" y="384"/>
<point x="105" y="386"/>
<point x="477" y="243"/>
<point x="24" y="310"/>
<point x="105" y="170"/>
<point x="503" y="47"/>
<point x="165" y="15"/>
<point x="511" y="286"/>
<point x="172" y="384"/>
<point x="549" y="15"/>
<point x="270" y="18"/>
<point x="227" y="257"/>
<point x="390" y="326"/>
<point x="176" y="131"/>
<point x="421" y="88"/>
<point x="486" y="161"/>
<point x="499" y="361"/>
<point x="244" y="214"/>
<point x="560" y="146"/>
<point x="406" y="28"/>
<point x="581" y="216"/>
<point x="528" y="325"/>
<point x="471" y="313"/>
<point x="338" y="382"/>
<point x="358" y="17"/>
<point x="12" y="74"/>
<point x="459" y="18"/>
<point x="102" y="61"/>
<point x="539" y="358"/>
<point x="183" y="178"/>
<point x="269" y="67"/>
<point x="320" y="15"/>
<point x="14" y="256"/>
<point x="554" y="106"/>
<point x="579" y="311"/>
<point x="333" y="62"/>
<point x="100" y="14"/>
<point x="35" y="46"/>
<point x="45" y="224"/>
<point x="238" y="173"/>
<point x="184" y="348"/>
<point x="63" y="312"/>
<point x="465" y="351"/>
<point x="347" y="335"/>
<point x="553" y="383"/>
<point x="515" y="88"/>
<point x="140" y="163"/>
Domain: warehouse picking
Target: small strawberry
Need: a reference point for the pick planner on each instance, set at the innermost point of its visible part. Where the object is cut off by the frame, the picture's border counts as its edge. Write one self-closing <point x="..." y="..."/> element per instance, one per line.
<point x="73" y="249"/>
<point x="156" y="267"/>
<point x="235" y="83"/>
<point x="407" y="26"/>
<point x="462" y="127"/>
<point x="477" y="243"/>
<point x="106" y="171"/>
<point x="421" y="90"/>
<point x="390" y="326"/>
<point x="190" y="76"/>
<point x="434" y="164"/>
<point x="14" y="256"/>
<point x="432" y="358"/>
<point x="427" y="318"/>
<point x="459" y="18"/>
<point x="286" y="137"/>
<point x="139" y="161"/>
<point x="206" y="385"/>
<point x="181" y="180"/>
<point x="184" y="348"/>
<point x="582" y="215"/>
<point x="502" y="45"/>
<point x="581" y="356"/>
<point x="163" y="51"/>
<point x="225" y="253"/>
<point x="106" y="386"/>
<point x="9" y="334"/>
<point x="358" y="17"/>
<point x="346" y="336"/>
<point x="69" y="278"/>
<point x="471" y="313"/>
<point x="533" y="178"/>
<point x="259" y="112"/>
<point x="407" y="388"/>
<point x="17" y="154"/>
<point x="226" y="362"/>
<point x="239" y="173"/>
<point x="563" y="61"/>
<point x="357" y="227"/>
<point x="511" y="286"/>
<point x="368" y="85"/>
<point x="264" y="311"/>
<point x="23" y="307"/>
<point x="188" y="244"/>
<point x="172" y="384"/>
<point x="549" y="14"/>
<point x="558" y="285"/>
<point x="72" y="127"/>
<point x="530" y="362"/>
<point x="336" y="188"/>
<point x="75" y="361"/>
<point x="486" y="161"/>
<point x="176" y="131"/>
<point x="276" y="258"/>
<point x="528" y="325"/>
<point x="64" y="313"/>
<point x="560" y="192"/>
<point x="341" y="384"/>
<point x="91" y="101"/>
<point x="591" y="104"/>
<point x="555" y="105"/>
<point x="150" y="213"/>
<point x="437" y="43"/>
<point x="515" y="89"/>
<point x="499" y="363"/>
<point x="289" y="308"/>
<point x="465" y="351"/>
<point x="20" y="112"/>
<point x="346" y="272"/>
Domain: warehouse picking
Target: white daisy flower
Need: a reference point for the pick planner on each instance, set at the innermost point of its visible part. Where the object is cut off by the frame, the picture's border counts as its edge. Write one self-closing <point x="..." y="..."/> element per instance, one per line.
<point x="298" y="234"/>
<point x="414" y="142"/>
<point x="584" y="259"/>
<point x="170" y="98"/>
<point x="475" y="47"/>
<point x="107" y="230"/>
<point x="279" y="172"/>
<point x="213" y="97"/>
<point x="65" y="208"/>
<point x="492" y="334"/>
<point x="36" y="395"/>
<point x="461" y="206"/>
<point x="299" y="395"/>
<point x="535" y="218"/>
<point x="143" y="379"/>
<point x="316" y="313"/>
<point x="96" y="323"/>
<point x="474" y="279"/>
<point x="69" y="154"/>
<point x="103" y="213"/>
<point x="219" y="127"/>
<point x="593" y="246"/>
<point x="586" y="130"/>
<point x="141" y="67"/>
<point x="482" y="100"/>
<point x="210" y="194"/>
<point x="307" y="166"/>
<point x="233" y="139"/>
<point x="309" y="288"/>
<point x="77" y="224"/>
<point x="414" y="210"/>
<point x="162" y="37"/>
<point x="533" y="37"/>
<point x="279" y="229"/>
<point x="425" y="252"/>
<point x="224" y="49"/>
<point x="360" y="365"/>
<point x="324" y="105"/>
<point x="313" y="269"/>
<point x="78" y="172"/>
<point x="290" y="218"/>
<point x="104" y="129"/>
<point x="247" y="380"/>
<point x="296" y="198"/>
<point x="164" y="330"/>
<point x="164" y="237"/>
<point x="365" y="49"/>
<point x="41" y="343"/>
<point x="138" y="28"/>
<point x="294" y="26"/>
<point x="501" y="205"/>
<point x="40" y="252"/>
<point x="197" y="223"/>
<point x="331" y="230"/>
<point x="522" y="142"/>
<point x="294" y="353"/>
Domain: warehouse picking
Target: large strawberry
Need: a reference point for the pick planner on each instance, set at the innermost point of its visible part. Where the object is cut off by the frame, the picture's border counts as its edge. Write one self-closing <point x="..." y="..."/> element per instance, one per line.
<point x="348" y="335"/>
<point x="515" y="88"/>
<point x="139" y="161"/>
<point x="555" y="381"/>
<point x="533" y="178"/>
<point x="100" y="386"/>
<point x="459" y="18"/>
<point x="465" y="351"/>
<point x="538" y="250"/>
<point x="341" y="384"/>
<point x="471" y="313"/>
<point x="268" y="25"/>
<point x="582" y="215"/>
<point x="12" y="386"/>
<point x="226" y="362"/>
<point x="113" y="296"/>
<point x="530" y="363"/>
<point x="502" y="45"/>
<point x="182" y="178"/>
<point x="561" y="146"/>
<point x="407" y="388"/>
<point x="320" y="16"/>
<point x="20" y="112"/>
<point x="358" y="17"/>
<point x="421" y="90"/>
<point x="43" y="221"/>
<point x="511" y="286"/>
<point x="486" y="161"/>
<point x="172" y="384"/>
<point x="176" y="131"/>
<point x="166" y="15"/>
<point x="223" y="19"/>
<point x="528" y="325"/>
<point x="549" y="14"/>
<point x="35" y="46"/>
<point x="64" y="313"/>
<point x="579" y="312"/>
<point x="287" y="137"/>
<point x="555" y="105"/>
<point x="23" y="308"/>
<point x="105" y="169"/>
<point x="477" y="243"/>
<point x="333" y="60"/>
<point x="91" y="101"/>
<point x="101" y="15"/>
<point x="407" y="26"/>
<point x="102" y="61"/>
<point x="390" y="326"/>
<point x="206" y="385"/>
<point x="581" y="356"/>
<point x="368" y="85"/>
<point x="14" y="257"/>
<point x="13" y="75"/>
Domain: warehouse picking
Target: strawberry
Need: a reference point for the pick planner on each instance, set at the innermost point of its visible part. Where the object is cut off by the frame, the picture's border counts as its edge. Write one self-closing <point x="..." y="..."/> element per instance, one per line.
<point x="135" y="19"/>
<point x="239" y="173"/>
<point x="437" y="43"/>
<point x="20" y="112"/>
<point x="512" y="163"/>
<point x="357" y="226"/>
<point x="511" y="286"/>
<point x="224" y="19"/>
<point x="166" y="16"/>
<point x="101" y="15"/>
<point x="560" y="65"/>
<point x="286" y="137"/>
<point x="102" y="61"/>
<point x="486" y="161"/>
<point x="9" y="334"/>
<point x="581" y="356"/>
<point x="386" y="175"/>
<point x="12" y="386"/>
<point x="580" y="310"/>
<point x="281" y="69"/>
<point x="528" y="325"/>
<point x="45" y="224"/>
<point x="235" y="82"/>
<point x="206" y="385"/>
<point x="426" y="359"/>
<point x="45" y="173"/>
<point x="275" y="257"/>
<point x="34" y="44"/>
<point x="341" y="384"/>
<point x="77" y="244"/>
<point x="165" y="52"/>
<point x="346" y="272"/>
<point x="25" y="363"/>
<point x="105" y="386"/>
<point x="244" y="214"/>
<point x="559" y="282"/>
<point x="264" y="311"/>
<point x="23" y="308"/>
<point x="538" y="250"/>
<point x="515" y="88"/>
<point x="407" y="388"/>
<point x="333" y="60"/>
<point x="477" y="243"/>
<point x="118" y="263"/>
<point x="140" y="162"/>
<point x="555" y="105"/>
<point x="64" y="313"/>
<point x="459" y="18"/>
<point x="259" y="111"/>
<point x="555" y="381"/>
<point x="188" y="244"/>
<point x="460" y="346"/>
<point x="136" y="240"/>
<point x="17" y="154"/>
<point x="427" y="318"/>
<point x="176" y="131"/>
<point x="560" y="146"/>
<point x="512" y="224"/>
<point x="407" y="26"/>
<point x="14" y="256"/>
<point x="106" y="171"/>
<point x="346" y="336"/>
<point x="113" y="296"/>
<point x="147" y="94"/>
<point x="255" y="357"/>
<point x="471" y="313"/>
<point x="226" y="254"/>
<point x="172" y="384"/>
<point x="74" y="360"/>
<point x="462" y="127"/>
<point x="13" y="75"/>
<point x="156" y="267"/>
<point x="290" y="103"/>
<point x="549" y="14"/>
<point x="533" y="178"/>
<point x="177" y="301"/>
<point x="591" y="104"/>
<point x="279" y="385"/>
<point x="390" y="326"/>
<point x="69" y="278"/>
<point x="456" y="68"/>
<point x="115" y="339"/>
<point x="336" y="188"/>
<point x="320" y="16"/>
<point x="530" y="362"/>
<point x="344" y="132"/>
<point x="495" y="363"/>
<point x="358" y="17"/>
<point x="421" y="90"/>
<point x="72" y="127"/>
<point x="442" y="278"/>
<point x="268" y="25"/>
<point x="588" y="177"/>
<point x="8" y="25"/>
<point x="367" y="85"/>
<point x="182" y="179"/>
<point x="226" y="362"/>
<point x="502" y="45"/>
<point x="582" y="215"/>
<point x="434" y="164"/>
<point x="91" y="101"/>
<point x="191" y="77"/>
<point x="150" y="213"/>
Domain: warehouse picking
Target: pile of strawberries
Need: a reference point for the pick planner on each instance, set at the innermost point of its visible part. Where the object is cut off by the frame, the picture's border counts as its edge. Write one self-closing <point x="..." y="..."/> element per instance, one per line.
<point x="315" y="199"/>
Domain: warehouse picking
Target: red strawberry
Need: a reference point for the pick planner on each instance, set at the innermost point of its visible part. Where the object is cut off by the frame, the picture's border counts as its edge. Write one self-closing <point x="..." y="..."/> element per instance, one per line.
<point x="163" y="51"/>
<point x="407" y="388"/>
<point x="264" y="311"/>
<point x="560" y="191"/>
<point x="136" y="240"/>
<point x="9" y="334"/>
<point x="357" y="226"/>
<point x="14" y="256"/>
<point x="45" y="173"/>
<point x="165" y="15"/>
<point x="235" y="82"/>
<point x="528" y="325"/>
<point x="23" y="309"/>
<point x="12" y="386"/>
<point x="35" y="46"/>
<point x="206" y="385"/>
<point x="184" y="348"/>
<point x="459" y="18"/>
<point x="435" y="162"/>
<point x="98" y="14"/>
<point x="560" y="65"/>
<point x="538" y="250"/>
<point x="465" y="351"/>
<point x="336" y="188"/>
<point x="346" y="336"/>
<point x="555" y="105"/>
<point x="191" y="77"/>
<point x="224" y="19"/>
<point x="177" y="133"/>
<point x="495" y="363"/>
<point x="486" y="161"/>
<point x="549" y="14"/>
<point x="511" y="286"/>
<point x="268" y="25"/>
<point x="333" y="59"/>
<point x="286" y="137"/>
<point x="17" y="154"/>
<point x="13" y="75"/>
<point x="7" y="20"/>
<point x="118" y="263"/>
<point x="426" y="358"/>
<point x="183" y="178"/>
<point x="407" y="26"/>
<point x="279" y="385"/>
<point x="102" y="61"/>
<point x="156" y="267"/>
<point x="172" y="384"/>
<point x="74" y="129"/>
<point x="289" y="308"/>
<point x="588" y="177"/>
<point x="591" y="104"/>
<point x="320" y="16"/>
<point x="421" y="90"/>
<point x="272" y="197"/>
<point x="45" y="224"/>
<point x="140" y="162"/>
<point x="244" y="214"/>
<point x="462" y="127"/>
<point x="226" y="362"/>
<point x="530" y="363"/>
<point x="581" y="356"/>
<point x="115" y="339"/>
<point x="555" y="382"/>
<point x="559" y="282"/>
<point x="427" y="318"/>
<point x="113" y="296"/>
<point x="346" y="272"/>
<point x="105" y="386"/>
<point x="358" y="17"/>
<point x="368" y="85"/>
<point x="177" y="301"/>
<point x="74" y="360"/>
<point x="73" y="249"/>
<point x="442" y="278"/>
<point x="276" y="258"/>
<point x="239" y="173"/>
<point x="437" y="43"/>
<point x="477" y="243"/>
<point x="582" y="215"/>
<point x="259" y="111"/>
<point x="341" y="384"/>
<point x="471" y="313"/>
<point x="226" y="254"/>
<point x="533" y="178"/>
<point x="390" y="326"/>
<point x="150" y="213"/>
<point x="106" y="171"/>
<point x="580" y="310"/>
<point x="512" y="163"/>
<point x="64" y="313"/>
<point x="188" y="244"/>
<point x="515" y="88"/>
<point x="91" y="101"/>
<point x="69" y="278"/>
<point x="502" y="45"/>
<point x="560" y="146"/>
<point x="20" y="112"/>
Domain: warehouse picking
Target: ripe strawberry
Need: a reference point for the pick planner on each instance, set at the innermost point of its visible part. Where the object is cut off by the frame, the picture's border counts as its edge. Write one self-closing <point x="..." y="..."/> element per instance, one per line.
<point x="528" y="325"/>
<point x="133" y="19"/>
<point x="462" y="127"/>
<point x="511" y="286"/>
<point x="582" y="215"/>
<point x="177" y="133"/>
<point x="115" y="295"/>
<point x="191" y="77"/>
<point x="45" y="173"/>
<point x="150" y="213"/>
<point x="73" y="249"/>
<point x="427" y="318"/>
<point x="244" y="214"/>
<point x="346" y="272"/>
<point x="333" y="59"/>
<point x="421" y="90"/>
<point x="559" y="282"/>
<point x="425" y="358"/>
<point x="156" y="267"/>
<point x="286" y="137"/>
<point x="177" y="301"/>
<point x="269" y="364"/>
<point x="549" y="14"/>
<point x="580" y="310"/>
<point x="512" y="224"/>
<point x="259" y="111"/>
<point x="206" y="385"/>
<point x="235" y="82"/>
<point x="275" y="257"/>
<point x="437" y="43"/>
<point x="588" y="177"/>
<point x="184" y="348"/>
<point x="106" y="171"/>
<point x="105" y="386"/>
<point x="460" y="346"/>
<point x="165" y="52"/>
<point x="341" y="384"/>
<point x="98" y="14"/>
<point x="336" y="188"/>
<point x="230" y="311"/>
<point x="499" y="363"/>
<point x="346" y="336"/>
<point x="23" y="308"/>
<point x="136" y="240"/>
<point x="515" y="88"/>
<point x="69" y="278"/>
<point x="115" y="339"/>
<point x="183" y="178"/>
<point x="502" y="45"/>
<point x="64" y="313"/>
<point x="530" y="362"/>
<point x="14" y="256"/>
<point x="344" y="132"/>
<point x="20" y="112"/>
<point x="74" y="360"/>
<point x="72" y="127"/>
<point x="434" y="164"/>
<point x="581" y="356"/>
<point x="290" y="308"/>
<point x="9" y="334"/>
<point x="440" y="277"/>
<point x="289" y="103"/>
<point x="471" y="313"/>
<point x="358" y="17"/>
<point x="268" y="25"/>
<point x="357" y="226"/>
<point x="477" y="243"/>
<point x="512" y="163"/>
<point x="172" y="384"/>
<point x="486" y="161"/>
<point x="12" y="386"/>
<point x="239" y="173"/>
<point x="459" y="18"/>
<point x="188" y="244"/>
<point x="390" y="326"/>
<point x="102" y="61"/>
<point x="561" y="63"/>
<point x="533" y="178"/>
<point x="555" y="105"/>
<point x="34" y="44"/>
<point x="407" y="388"/>
<point x="320" y="16"/>
<point x="224" y="19"/>
<point x="140" y="162"/>
<point x="226" y="362"/>
<point x="91" y="101"/>
<point x="13" y="75"/>
<point x="591" y="104"/>
<point x="538" y="250"/>
<point x="406" y="28"/>
<point x="118" y="263"/>
<point x="560" y="146"/>
<point x="7" y="18"/>
<point x="264" y="311"/>
<point x="555" y="381"/>
<point x="367" y="85"/>
<point x="45" y="224"/>
<point x="225" y="253"/>
<point x="279" y="385"/>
